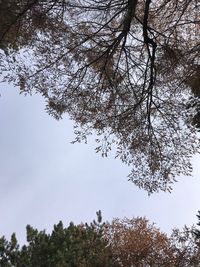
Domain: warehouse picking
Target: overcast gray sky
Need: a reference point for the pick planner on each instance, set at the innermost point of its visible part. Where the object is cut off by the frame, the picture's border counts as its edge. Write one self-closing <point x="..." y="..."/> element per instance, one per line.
<point x="44" y="178"/>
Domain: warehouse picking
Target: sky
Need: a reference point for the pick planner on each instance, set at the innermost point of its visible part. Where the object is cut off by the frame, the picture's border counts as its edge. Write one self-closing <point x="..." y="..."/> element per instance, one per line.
<point x="44" y="178"/>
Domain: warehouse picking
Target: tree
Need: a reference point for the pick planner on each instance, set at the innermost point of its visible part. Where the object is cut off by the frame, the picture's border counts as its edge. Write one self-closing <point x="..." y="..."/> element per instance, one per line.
<point x="186" y="252"/>
<point x="196" y="231"/>
<point x="122" y="243"/>
<point x="135" y="242"/>
<point x="128" y="69"/>
<point x="80" y="245"/>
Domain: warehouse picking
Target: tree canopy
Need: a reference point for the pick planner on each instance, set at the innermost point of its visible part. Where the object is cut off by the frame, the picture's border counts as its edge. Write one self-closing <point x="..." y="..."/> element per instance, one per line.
<point x="138" y="243"/>
<point x="122" y="243"/>
<point x="127" y="70"/>
<point x="80" y="245"/>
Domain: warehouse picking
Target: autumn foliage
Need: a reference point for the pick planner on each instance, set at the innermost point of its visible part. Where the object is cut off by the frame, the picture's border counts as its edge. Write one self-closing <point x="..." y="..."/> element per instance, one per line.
<point x="127" y="70"/>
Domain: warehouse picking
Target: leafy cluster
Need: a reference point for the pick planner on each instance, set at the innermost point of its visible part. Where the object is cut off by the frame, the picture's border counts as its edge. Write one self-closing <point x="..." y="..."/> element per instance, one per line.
<point x="128" y="69"/>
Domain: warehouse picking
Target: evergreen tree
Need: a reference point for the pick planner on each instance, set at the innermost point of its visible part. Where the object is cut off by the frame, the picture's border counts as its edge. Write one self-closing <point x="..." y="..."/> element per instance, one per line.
<point x="80" y="245"/>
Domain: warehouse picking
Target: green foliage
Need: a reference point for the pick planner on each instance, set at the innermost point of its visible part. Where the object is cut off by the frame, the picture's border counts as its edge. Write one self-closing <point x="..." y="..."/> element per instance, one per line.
<point x="197" y="230"/>
<point x="80" y="245"/>
<point x="9" y="251"/>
